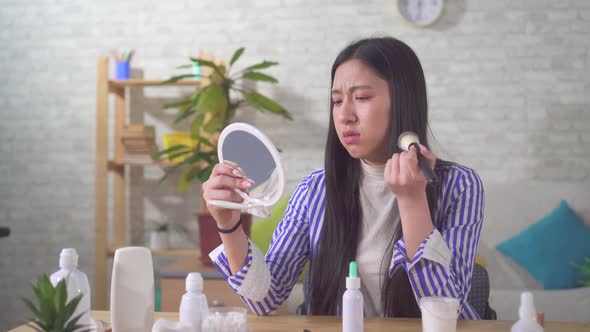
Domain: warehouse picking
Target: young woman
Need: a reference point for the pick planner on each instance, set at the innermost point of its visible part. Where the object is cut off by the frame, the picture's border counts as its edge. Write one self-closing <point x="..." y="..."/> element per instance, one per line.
<point x="370" y="203"/>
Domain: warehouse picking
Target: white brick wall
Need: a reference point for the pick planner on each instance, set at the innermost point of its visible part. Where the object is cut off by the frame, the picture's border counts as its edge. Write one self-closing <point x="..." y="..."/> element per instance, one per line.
<point x="508" y="85"/>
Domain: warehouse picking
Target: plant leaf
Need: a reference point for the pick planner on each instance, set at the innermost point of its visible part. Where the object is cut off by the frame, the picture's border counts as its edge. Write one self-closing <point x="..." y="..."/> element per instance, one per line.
<point x="70" y="309"/>
<point x="174" y="148"/>
<point x="177" y="78"/>
<point x="261" y="65"/>
<point x="237" y="54"/>
<point x="210" y="96"/>
<point x="204" y="63"/>
<point x="46" y="304"/>
<point x="263" y="103"/>
<point x="206" y="173"/>
<point x="184" y="115"/>
<point x="182" y="185"/>
<point x="72" y="304"/>
<point x="205" y="141"/>
<point x="178" y="154"/>
<point x="61" y="295"/>
<point x="178" y="104"/>
<point x="213" y="101"/>
<point x="34" y="327"/>
<point x="196" y="125"/>
<point x="37" y="292"/>
<point x="73" y="322"/>
<point x="43" y="307"/>
<point x="197" y="157"/>
<point x="31" y="307"/>
<point x="214" y="124"/>
<point x="207" y="63"/>
<point x="218" y="76"/>
<point x="169" y="170"/>
<point x="190" y="176"/>
<point x="45" y="286"/>
<point x="258" y="76"/>
<point x="189" y="108"/>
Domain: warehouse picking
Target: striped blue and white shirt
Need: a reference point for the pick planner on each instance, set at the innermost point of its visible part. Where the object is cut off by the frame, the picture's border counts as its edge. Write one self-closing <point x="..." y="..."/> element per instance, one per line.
<point x="442" y="265"/>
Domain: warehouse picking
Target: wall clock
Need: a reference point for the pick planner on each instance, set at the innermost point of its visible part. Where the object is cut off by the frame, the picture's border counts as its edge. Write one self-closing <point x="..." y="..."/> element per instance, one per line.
<point x="420" y="13"/>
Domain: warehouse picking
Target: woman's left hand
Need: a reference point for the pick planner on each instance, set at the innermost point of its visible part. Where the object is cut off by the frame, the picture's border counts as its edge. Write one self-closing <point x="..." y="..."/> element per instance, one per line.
<point x="403" y="175"/>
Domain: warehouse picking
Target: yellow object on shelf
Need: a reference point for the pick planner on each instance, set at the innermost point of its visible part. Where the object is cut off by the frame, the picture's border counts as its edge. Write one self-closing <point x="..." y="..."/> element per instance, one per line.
<point x="480" y="261"/>
<point x="173" y="139"/>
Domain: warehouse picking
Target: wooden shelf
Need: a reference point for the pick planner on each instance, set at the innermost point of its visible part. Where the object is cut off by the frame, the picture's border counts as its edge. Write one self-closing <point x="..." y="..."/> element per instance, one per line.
<point x="114" y="164"/>
<point x="133" y="82"/>
<point x="110" y="212"/>
<point x="193" y="253"/>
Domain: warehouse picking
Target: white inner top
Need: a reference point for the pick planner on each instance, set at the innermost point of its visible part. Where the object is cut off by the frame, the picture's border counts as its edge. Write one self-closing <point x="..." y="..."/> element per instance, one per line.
<point x="377" y="228"/>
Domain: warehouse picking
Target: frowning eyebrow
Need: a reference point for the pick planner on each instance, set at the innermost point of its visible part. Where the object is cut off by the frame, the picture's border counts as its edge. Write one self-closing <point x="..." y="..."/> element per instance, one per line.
<point x="352" y="89"/>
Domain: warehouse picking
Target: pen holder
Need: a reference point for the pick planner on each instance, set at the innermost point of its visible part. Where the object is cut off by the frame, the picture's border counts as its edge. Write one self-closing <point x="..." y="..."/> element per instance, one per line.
<point x="122" y="70"/>
<point x="196" y="70"/>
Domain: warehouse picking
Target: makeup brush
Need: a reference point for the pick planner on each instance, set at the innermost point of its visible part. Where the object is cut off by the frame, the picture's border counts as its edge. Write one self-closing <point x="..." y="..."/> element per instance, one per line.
<point x="408" y="139"/>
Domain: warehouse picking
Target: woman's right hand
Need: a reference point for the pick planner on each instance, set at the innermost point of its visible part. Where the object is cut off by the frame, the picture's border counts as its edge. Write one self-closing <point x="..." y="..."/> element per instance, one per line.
<point x="221" y="185"/>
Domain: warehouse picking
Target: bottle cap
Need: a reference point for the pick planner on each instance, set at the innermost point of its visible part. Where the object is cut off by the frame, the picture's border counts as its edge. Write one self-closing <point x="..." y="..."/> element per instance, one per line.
<point x="194" y="282"/>
<point x="353" y="281"/>
<point x="68" y="258"/>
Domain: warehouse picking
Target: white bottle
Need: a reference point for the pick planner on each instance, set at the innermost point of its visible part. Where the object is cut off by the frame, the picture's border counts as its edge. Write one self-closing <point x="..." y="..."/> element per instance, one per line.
<point x="132" y="290"/>
<point x="352" y="302"/>
<point x="77" y="283"/>
<point x="527" y="313"/>
<point x="193" y="306"/>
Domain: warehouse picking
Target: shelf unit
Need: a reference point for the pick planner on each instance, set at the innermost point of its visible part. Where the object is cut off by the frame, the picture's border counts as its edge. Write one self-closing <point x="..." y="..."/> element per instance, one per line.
<point x="115" y="167"/>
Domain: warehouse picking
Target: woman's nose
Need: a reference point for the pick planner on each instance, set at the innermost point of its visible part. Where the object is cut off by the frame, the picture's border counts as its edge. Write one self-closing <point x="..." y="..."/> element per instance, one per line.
<point x="347" y="112"/>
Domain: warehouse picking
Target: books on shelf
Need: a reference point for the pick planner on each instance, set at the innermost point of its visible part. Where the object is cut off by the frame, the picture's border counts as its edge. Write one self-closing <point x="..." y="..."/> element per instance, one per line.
<point x="137" y="159"/>
<point x="138" y="131"/>
<point x="139" y="143"/>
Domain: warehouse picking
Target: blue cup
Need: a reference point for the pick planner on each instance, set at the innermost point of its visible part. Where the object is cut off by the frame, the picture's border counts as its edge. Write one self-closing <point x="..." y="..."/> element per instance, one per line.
<point x="122" y="72"/>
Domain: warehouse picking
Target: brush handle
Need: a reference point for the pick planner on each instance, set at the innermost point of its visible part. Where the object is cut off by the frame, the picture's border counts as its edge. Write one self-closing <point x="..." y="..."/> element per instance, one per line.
<point x="425" y="167"/>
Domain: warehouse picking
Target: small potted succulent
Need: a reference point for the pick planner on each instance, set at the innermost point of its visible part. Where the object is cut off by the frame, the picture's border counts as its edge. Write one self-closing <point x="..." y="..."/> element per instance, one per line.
<point x="52" y="312"/>
<point x="585" y="270"/>
<point x="160" y="236"/>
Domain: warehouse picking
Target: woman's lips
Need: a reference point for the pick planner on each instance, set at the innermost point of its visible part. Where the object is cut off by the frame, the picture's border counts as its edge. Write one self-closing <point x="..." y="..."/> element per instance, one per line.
<point x="351" y="137"/>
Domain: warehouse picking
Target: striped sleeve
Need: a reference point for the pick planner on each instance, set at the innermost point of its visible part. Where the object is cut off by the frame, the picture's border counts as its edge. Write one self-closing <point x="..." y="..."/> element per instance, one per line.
<point x="443" y="263"/>
<point x="264" y="283"/>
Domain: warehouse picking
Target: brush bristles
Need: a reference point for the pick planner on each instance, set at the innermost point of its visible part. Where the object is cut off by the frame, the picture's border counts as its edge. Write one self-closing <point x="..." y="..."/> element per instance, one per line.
<point x="407" y="138"/>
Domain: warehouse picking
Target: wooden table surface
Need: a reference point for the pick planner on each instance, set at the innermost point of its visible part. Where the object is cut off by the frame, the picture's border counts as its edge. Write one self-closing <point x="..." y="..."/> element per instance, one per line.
<point x="284" y="323"/>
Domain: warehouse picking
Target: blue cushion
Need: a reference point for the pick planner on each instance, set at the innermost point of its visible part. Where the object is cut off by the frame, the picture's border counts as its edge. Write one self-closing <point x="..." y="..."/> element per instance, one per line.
<point x="547" y="248"/>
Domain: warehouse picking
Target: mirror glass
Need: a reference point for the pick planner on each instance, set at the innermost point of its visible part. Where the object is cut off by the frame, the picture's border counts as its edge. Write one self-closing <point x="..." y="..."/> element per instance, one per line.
<point x="259" y="160"/>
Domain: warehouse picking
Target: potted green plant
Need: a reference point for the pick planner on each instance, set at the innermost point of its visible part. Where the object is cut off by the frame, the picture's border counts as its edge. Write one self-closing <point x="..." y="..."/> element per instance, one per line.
<point x="52" y="313"/>
<point x="159" y="236"/>
<point x="209" y="109"/>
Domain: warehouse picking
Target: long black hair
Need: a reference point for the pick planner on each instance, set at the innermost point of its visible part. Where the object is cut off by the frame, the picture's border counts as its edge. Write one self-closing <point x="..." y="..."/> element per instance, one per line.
<point x="397" y="64"/>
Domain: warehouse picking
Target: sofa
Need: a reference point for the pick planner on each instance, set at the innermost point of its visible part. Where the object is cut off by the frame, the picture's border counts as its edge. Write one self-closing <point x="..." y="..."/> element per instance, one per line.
<point x="509" y="209"/>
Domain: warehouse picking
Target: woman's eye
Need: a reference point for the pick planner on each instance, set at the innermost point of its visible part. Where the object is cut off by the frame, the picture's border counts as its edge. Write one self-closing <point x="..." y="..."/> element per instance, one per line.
<point x="363" y="98"/>
<point x="337" y="102"/>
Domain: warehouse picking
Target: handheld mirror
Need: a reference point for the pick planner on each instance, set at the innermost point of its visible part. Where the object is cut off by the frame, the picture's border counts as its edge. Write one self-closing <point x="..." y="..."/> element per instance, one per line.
<point x="253" y="151"/>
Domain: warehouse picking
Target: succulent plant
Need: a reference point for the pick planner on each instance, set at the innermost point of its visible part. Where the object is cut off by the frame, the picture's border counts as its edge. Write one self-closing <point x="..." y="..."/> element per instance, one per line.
<point x="52" y="313"/>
